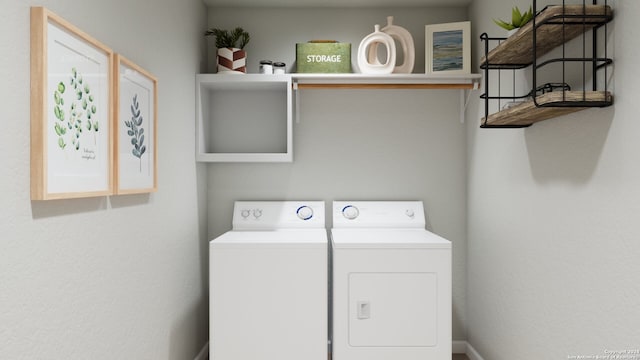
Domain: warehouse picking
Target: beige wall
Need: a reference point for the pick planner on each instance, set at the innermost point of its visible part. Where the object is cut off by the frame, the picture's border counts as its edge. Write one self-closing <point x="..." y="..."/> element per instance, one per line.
<point x="553" y="246"/>
<point x="106" y="278"/>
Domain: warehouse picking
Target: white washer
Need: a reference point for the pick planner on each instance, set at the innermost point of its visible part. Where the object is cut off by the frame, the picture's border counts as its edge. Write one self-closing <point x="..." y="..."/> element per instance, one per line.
<point x="268" y="283"/>
<point x="391" y="283"/>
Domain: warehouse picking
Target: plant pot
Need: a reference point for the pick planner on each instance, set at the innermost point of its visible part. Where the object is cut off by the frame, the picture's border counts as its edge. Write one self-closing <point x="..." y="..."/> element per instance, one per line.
<point x="232" y="60"/>
<point x="512" y="31"/>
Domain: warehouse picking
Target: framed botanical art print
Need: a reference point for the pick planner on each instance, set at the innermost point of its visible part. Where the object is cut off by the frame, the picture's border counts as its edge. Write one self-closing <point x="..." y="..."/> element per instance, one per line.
<point x="448" y="48"/>
<point x="71" y="148"/>
<point x="135" y="127"/>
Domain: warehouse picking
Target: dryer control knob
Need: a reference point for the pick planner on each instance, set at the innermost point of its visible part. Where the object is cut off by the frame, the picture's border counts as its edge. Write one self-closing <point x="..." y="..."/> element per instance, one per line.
<point x="410" y="213"/>
<point x="350" y="212"/>
<point x="304" y="212"/>
<point x="257" y="213"/>
<point x="245" y="213"/>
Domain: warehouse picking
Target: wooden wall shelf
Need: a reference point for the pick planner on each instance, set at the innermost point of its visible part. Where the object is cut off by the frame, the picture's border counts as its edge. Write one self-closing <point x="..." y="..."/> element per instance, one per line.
<point x="550" y="105"/>
<point x="517" y="50"/>
<point x="551" y="28"/>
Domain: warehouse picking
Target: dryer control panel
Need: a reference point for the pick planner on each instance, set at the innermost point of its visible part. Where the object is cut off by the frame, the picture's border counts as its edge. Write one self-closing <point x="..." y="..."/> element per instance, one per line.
<point x="378" y="214"/>
<point x="273" y="215"/>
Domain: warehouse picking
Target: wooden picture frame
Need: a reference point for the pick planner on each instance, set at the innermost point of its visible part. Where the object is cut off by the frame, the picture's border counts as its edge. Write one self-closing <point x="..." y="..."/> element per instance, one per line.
<point x="71" y="147"/>
<point x="135" y="128"/>
<point x="448" y="48"/>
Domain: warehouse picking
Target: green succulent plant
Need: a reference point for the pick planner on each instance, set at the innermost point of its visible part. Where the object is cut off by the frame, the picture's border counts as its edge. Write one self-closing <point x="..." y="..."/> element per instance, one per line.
<point x="237" y="38"/>
<point x="518" y="19"/>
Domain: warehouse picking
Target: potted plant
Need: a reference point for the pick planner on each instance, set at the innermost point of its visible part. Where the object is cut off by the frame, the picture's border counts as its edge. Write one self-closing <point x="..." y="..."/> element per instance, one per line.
<point x="231" y="56"/>
<point x="518" y="19"/>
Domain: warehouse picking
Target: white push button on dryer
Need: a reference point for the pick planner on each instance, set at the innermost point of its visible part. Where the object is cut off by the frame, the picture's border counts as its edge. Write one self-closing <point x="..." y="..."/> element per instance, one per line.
<point x="304" y="212"/>
<point x="350" y="212"/>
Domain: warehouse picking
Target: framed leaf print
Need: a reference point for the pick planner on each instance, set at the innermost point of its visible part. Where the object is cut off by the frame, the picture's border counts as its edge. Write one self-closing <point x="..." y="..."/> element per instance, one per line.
<point x="71" y="148"/>
<point x="135" y="127"/>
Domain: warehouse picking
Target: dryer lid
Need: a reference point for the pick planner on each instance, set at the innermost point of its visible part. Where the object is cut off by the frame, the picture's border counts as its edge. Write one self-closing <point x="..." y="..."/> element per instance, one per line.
<point x="387" y="239"/>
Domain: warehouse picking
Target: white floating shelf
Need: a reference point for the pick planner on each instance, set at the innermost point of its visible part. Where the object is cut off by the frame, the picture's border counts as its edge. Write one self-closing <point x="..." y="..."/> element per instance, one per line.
<point x="248" y="117"/>
<point x="244" y="118"/>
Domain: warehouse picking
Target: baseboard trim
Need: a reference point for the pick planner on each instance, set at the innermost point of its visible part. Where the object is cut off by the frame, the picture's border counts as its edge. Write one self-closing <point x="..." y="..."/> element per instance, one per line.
<point x="472" y="353"/>
<point x="457" y="347"/>
<point x="204" y="353"/>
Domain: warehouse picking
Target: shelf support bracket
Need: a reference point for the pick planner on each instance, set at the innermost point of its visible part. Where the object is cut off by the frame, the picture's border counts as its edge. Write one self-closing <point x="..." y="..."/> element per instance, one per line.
<point x="296" y="99"/>
<point x="464" y="103"/>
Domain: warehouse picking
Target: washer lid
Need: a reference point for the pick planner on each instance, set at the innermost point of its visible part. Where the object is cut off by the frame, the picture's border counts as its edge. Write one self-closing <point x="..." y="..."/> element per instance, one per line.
<point x="387" y="239"/>
<point x="289" y="238"/>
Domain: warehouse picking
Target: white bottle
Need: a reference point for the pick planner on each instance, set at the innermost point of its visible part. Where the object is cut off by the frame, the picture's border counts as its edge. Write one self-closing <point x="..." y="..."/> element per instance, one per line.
<point x="266" y="67"/>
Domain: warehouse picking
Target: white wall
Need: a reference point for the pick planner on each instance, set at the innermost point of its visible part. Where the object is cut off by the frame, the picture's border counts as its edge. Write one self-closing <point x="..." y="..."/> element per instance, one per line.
<point x="356" y="144"/>
<point x="106" y="278"/>
<point x="553" y="246"/>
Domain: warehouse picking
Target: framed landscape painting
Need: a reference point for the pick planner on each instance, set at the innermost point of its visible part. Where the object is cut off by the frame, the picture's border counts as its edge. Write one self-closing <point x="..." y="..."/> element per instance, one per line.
<point x="135" y="127"/>
<point x="448" y="48"/>
<point x="71" y="148"/>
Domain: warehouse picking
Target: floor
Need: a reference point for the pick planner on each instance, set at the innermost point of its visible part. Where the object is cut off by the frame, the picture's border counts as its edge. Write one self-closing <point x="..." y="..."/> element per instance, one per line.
<point x="454" y="357"/>
<point x="460" y="357"/>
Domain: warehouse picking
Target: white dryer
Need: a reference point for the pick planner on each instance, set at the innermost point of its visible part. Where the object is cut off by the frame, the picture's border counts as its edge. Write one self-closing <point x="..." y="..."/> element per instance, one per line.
<point x="391" y="283"/>
<point x="268" y="283"/>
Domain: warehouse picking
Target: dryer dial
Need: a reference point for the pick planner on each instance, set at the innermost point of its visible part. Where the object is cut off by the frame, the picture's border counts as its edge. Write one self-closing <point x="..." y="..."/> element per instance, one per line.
<point x="350" y="212"/>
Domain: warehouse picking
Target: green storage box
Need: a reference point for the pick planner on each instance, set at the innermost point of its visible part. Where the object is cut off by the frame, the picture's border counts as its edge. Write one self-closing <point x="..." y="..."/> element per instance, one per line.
<point x="323" y="57"/>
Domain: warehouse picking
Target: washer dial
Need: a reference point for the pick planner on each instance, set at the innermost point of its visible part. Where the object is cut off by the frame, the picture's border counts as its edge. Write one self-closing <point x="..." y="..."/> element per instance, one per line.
<point x="304" y="212"/>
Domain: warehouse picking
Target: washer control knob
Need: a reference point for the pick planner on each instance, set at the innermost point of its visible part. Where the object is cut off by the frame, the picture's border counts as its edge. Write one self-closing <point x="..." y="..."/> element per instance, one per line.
<point x="410" y="213"/>
<point x="245" y="213"/>
<point x="257" y="213"/>
<point x="304" y="212"/>
<point x="350" y="212"/>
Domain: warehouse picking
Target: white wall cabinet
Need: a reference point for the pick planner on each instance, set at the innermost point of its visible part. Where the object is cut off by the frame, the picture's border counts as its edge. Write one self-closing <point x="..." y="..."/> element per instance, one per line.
<point x="249" y="117"/>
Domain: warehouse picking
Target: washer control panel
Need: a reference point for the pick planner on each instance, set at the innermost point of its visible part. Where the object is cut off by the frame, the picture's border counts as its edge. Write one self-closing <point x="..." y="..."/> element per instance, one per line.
<point x="272" y="215"/>
<point x="378" y="214"/>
